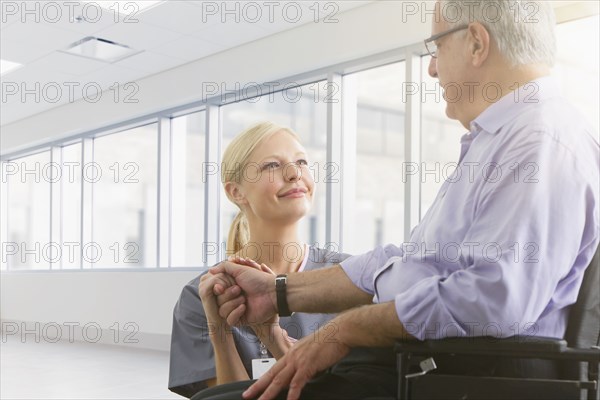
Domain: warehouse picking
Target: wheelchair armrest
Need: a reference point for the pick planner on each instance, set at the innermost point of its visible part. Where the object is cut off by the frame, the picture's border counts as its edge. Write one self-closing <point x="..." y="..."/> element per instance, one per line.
<point x="515" y="346"/>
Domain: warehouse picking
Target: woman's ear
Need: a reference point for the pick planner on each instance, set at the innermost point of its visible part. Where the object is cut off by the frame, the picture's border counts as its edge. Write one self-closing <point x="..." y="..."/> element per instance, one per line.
<point x="235" y="193"/>
<point x="479" y="43"/>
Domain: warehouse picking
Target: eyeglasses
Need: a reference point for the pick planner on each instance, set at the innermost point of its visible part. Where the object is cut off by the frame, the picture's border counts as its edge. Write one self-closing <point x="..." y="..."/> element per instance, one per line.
<point x="430" y="43"/>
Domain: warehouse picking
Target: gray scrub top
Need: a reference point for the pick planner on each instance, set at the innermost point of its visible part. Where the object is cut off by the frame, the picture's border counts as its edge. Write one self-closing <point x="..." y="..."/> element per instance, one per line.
<point x="192" y="356"/>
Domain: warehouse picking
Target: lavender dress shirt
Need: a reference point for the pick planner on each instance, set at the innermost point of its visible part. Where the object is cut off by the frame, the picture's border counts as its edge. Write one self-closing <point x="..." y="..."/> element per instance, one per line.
<point x="503" y="248"/>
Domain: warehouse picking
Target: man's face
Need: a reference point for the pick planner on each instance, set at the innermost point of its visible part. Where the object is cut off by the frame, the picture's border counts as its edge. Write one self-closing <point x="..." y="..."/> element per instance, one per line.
<point x="450" y="65"/>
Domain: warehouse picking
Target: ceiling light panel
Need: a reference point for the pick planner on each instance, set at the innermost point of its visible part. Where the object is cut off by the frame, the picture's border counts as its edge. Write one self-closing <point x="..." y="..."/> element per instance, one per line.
<point x="100" y="49"/>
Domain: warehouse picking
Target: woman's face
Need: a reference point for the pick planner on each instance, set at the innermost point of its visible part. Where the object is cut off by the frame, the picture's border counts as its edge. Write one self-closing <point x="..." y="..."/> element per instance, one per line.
<point x="276" y="185"/>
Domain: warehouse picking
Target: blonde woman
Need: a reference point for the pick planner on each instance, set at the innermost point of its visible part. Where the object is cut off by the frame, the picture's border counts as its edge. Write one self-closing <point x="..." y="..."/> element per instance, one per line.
<point x="265" y="173"/>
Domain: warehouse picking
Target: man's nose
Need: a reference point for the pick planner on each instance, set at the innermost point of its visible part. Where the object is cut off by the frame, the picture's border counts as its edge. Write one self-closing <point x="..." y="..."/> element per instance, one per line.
<point x="433" y="67"/>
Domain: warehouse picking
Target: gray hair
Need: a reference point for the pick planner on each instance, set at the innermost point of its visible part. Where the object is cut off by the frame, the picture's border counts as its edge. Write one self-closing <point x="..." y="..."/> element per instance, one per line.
<point x="523" y="30"/>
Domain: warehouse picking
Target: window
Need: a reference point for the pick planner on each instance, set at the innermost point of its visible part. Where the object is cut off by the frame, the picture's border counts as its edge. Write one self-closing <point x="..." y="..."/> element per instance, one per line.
<point x="379" y="200"/>
<point x="187" y="189"/>
<point x="69" y="231"/>
<point x="123" y="176"/>
<point x="102" y="211"/>
<point x="577" y="65"/>
<point x="28" y="218"/>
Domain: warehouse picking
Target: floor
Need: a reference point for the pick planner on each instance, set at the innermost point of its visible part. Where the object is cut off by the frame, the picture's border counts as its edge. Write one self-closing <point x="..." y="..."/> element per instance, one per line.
<point x="80" y="370"/>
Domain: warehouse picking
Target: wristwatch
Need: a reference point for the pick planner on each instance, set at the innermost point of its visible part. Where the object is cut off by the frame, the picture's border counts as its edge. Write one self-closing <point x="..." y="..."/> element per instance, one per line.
<point x="281" y="292"/>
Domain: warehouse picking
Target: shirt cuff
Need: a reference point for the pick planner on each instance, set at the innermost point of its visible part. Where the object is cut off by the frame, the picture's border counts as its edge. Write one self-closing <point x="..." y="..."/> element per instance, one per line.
<point x="424" y="315"/>
<point x="359" y="272"/>
<point x="362" y="269"/>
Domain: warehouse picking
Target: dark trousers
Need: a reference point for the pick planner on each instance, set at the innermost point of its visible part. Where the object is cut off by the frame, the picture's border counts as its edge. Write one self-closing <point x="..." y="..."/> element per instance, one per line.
<point x="380" y="381"/>
<point x="329" y="386"/>
<point x="364" y="373"/>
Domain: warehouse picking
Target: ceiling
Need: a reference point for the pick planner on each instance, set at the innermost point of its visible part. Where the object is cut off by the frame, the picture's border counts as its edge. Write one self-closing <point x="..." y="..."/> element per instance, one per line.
<point x="167" y="35"/>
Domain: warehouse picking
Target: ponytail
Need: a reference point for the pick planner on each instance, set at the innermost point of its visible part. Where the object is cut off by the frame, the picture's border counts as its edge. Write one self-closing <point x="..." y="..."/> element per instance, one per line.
<point x="239" y="234"/>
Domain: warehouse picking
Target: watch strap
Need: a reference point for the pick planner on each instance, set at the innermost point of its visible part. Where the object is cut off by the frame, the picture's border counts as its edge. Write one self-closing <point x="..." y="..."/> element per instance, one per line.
<point x="281" y="293"/>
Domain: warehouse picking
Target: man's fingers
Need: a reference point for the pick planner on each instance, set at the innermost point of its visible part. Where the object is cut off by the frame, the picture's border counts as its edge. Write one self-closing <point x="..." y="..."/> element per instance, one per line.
<point x="264" y="381"/>
<point x="225" y="267"/>
<point x="229" y="294"/>
<point x="235" y="316"/>
<point x="278" y="383"/>
<point x="224" y="279"/>
<point x="227" y="308"/>
<point x="226" y="293"/>
<point x="217" y="283"/>
<point x="296" y="385"/>
<point x="217" y="269"/>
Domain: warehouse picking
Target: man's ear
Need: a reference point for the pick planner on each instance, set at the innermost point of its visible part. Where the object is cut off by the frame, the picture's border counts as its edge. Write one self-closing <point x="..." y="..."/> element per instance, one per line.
<point x="235" y="193"/>
<point x="479" y="43"/>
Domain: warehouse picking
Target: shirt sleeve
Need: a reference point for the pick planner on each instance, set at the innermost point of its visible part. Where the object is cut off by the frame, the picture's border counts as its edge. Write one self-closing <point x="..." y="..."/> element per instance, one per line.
<point x="192" y="355"/>
<point x="361" y="268"/>
<point x="521" y="256"/>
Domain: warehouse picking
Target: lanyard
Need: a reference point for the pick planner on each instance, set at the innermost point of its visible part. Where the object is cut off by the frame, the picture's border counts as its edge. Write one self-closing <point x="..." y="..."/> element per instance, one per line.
<point x="263" y="351"/>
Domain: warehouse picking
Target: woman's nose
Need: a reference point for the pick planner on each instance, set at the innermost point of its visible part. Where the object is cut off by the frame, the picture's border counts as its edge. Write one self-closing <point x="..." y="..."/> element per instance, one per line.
<point x="292" y="172"/>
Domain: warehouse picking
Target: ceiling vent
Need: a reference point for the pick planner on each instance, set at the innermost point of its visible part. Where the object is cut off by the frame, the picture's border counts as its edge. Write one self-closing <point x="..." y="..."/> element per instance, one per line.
<point x="100" y="49"/>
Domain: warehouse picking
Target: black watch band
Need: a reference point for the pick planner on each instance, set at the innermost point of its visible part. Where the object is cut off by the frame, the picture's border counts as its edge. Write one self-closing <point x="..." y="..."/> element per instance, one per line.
<point x="281" y="292"/>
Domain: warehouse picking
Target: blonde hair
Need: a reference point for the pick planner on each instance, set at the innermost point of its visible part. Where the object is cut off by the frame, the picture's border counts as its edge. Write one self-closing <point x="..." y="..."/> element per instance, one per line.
<point x="234" y="161"/>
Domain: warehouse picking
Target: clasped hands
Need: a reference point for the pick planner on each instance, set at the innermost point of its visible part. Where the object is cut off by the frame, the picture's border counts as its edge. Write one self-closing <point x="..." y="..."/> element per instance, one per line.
<point x="246" y="296"/>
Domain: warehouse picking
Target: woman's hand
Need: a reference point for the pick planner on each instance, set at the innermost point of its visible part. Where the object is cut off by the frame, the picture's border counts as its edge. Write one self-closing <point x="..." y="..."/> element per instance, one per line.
<point x="208" y="289"/>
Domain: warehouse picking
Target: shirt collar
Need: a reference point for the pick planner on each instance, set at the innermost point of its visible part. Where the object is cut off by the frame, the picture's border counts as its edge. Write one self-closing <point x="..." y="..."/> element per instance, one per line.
<point x="512" y="104"/>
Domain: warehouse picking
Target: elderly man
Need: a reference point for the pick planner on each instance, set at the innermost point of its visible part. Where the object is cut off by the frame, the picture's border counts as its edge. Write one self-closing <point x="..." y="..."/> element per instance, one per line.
<point x="520" y="214"/>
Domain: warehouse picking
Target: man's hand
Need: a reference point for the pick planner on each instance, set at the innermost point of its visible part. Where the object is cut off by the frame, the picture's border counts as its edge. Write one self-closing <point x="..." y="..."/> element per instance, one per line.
<point x="301" y="363"/>
<point x="328" y="345"/>
<point x="256" y="304"/>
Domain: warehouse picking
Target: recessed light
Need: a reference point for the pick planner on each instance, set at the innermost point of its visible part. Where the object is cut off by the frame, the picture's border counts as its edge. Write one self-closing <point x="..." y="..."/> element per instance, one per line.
<point x="100" y="49"/>
<point x="126" y="7"/>
<point x="7" y="66"/>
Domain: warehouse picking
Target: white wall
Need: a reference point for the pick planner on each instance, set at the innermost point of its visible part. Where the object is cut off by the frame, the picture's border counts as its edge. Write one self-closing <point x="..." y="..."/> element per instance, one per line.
<point x="106" y="299"/>
<point x="147" y="298"/>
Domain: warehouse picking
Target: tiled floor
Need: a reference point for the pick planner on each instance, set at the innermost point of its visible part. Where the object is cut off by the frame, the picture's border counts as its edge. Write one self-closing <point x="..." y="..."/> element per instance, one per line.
<point x="81" y="370"/>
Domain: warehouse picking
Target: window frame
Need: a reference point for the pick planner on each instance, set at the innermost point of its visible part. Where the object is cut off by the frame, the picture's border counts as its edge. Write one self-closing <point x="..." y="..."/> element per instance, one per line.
<point x="340" y="115"/>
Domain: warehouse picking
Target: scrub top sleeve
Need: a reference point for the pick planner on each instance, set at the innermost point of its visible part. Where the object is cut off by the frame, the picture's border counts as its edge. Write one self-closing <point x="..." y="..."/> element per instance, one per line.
<point x="192" y="356"/>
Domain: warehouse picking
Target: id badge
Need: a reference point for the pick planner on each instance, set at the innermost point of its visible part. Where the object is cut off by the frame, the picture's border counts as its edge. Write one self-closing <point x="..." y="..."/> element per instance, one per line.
<point x="260" y="366"/>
